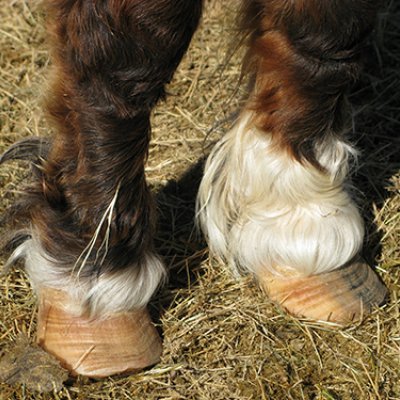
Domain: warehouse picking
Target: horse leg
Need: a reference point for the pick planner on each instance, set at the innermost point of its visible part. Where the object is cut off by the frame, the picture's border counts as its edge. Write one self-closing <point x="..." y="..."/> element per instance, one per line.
<point x="90" y="253"/>
<point x="275" y="199"/>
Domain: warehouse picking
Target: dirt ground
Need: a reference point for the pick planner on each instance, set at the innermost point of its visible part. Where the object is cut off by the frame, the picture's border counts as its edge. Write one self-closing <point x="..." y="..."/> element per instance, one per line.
<point x="223" y="339"/>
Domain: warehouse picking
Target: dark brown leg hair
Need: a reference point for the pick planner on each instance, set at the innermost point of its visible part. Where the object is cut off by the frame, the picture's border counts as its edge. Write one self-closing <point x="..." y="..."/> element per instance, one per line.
<point x="111" y="62"/>
<point x="303" y="56"/>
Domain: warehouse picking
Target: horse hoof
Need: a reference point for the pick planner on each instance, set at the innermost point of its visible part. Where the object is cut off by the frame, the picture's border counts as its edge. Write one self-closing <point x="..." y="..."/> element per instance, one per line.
<point x="343" y="295"/>
<point x="118" y="344"/>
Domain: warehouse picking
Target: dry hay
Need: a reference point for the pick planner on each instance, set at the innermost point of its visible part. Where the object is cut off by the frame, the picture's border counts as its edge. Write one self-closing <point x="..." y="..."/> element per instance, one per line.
<point x="223" y="339"/>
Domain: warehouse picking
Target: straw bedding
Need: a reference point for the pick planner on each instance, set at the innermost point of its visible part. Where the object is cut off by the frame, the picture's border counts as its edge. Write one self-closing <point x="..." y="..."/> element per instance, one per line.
<point x="223" y="339"/>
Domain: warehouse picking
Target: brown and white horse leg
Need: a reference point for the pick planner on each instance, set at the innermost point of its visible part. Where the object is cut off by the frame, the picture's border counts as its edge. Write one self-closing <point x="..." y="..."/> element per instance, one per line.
<point x="275" y="200"/>
<point x="89" y="253"/>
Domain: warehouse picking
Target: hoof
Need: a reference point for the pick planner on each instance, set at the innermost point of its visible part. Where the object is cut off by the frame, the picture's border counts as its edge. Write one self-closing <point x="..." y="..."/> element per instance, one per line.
<point x="343" y="295"/>
<point x="119" y="344"/>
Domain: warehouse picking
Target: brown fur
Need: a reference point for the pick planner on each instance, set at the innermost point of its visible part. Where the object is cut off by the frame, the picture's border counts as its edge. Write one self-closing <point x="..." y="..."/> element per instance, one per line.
<point x="303" y="56"/>
<point x="111" y="62"/>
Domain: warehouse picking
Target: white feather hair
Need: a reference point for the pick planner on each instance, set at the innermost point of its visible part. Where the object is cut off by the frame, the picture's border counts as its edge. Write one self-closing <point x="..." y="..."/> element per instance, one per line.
<point x="99" y="295"/>
<point x="261" y="209"/>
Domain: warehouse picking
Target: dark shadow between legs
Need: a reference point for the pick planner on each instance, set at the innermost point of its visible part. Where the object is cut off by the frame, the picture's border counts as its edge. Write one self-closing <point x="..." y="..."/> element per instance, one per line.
<point x="178" y="240"/>
<point x="377" y="125"/>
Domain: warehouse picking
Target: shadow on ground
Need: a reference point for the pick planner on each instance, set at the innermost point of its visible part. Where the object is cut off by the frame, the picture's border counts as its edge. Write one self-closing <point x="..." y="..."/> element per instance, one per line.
<point x="179" y="241"/>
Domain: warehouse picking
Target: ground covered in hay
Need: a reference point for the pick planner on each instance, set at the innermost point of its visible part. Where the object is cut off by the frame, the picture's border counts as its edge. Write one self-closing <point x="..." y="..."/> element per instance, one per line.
<point x="222" y="338"/>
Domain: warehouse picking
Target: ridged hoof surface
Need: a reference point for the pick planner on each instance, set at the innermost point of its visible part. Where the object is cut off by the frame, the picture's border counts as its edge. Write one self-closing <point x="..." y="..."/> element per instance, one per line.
<point x="119" y="344"/>
<point x="343" y="295"/>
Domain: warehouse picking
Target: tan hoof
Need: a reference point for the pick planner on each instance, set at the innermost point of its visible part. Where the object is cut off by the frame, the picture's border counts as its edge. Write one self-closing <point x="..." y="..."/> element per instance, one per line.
<point x="126" y="342"/>
<point x="344" y="295"/>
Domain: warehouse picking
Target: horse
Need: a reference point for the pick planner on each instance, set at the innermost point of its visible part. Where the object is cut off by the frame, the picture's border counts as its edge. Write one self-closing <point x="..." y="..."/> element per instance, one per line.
<point x="275" y="200"/>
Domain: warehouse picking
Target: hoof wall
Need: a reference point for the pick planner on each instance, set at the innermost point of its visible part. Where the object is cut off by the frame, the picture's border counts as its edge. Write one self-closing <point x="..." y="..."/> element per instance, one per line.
<point x="343" y="295"/>
<point x="119" y="344"/>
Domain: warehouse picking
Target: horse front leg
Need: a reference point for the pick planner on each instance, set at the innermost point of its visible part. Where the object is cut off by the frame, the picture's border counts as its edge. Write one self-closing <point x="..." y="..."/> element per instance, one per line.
<point x="275" y="199"/>
<point x="90" y="253"/>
